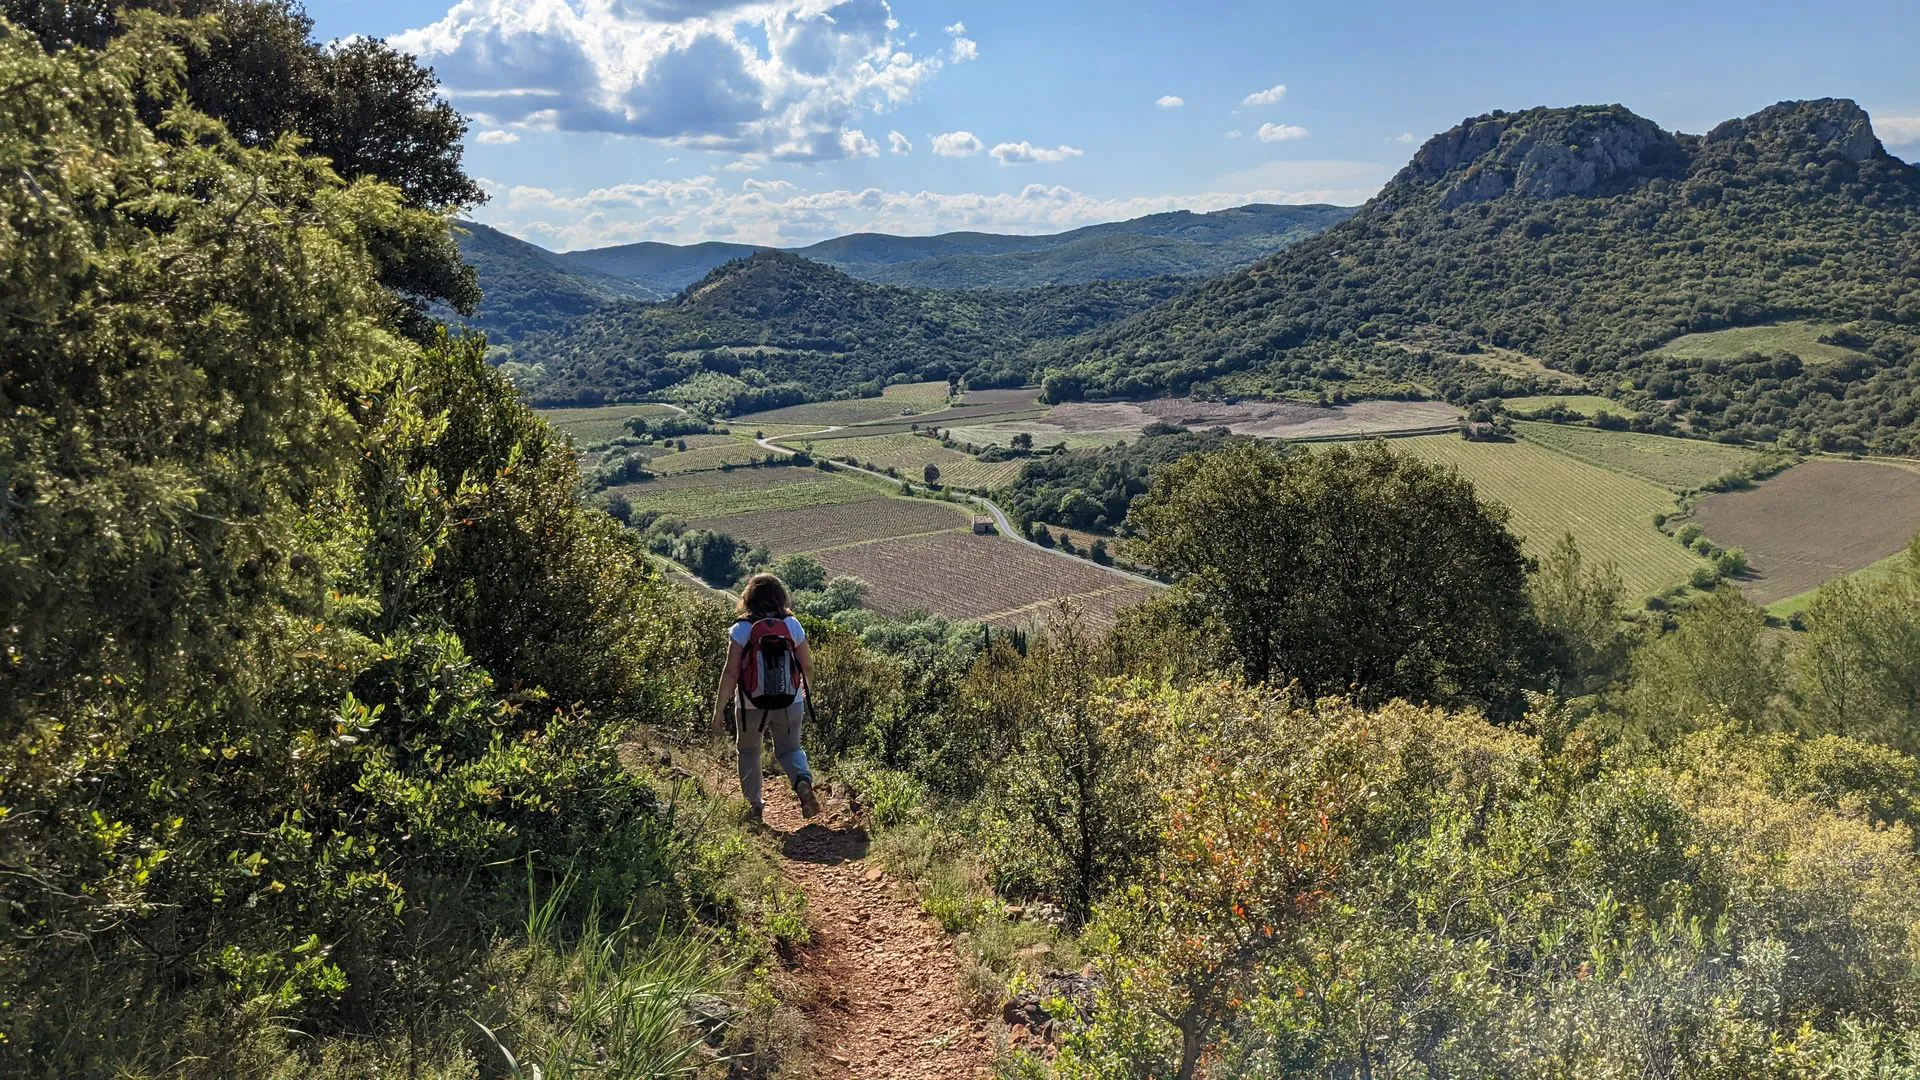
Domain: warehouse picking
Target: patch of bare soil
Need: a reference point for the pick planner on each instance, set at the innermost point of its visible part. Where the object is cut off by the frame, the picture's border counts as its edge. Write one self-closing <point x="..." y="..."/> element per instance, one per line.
<point x="1268" y="419"/>
<point x="884" y="997"/>
<point x="1817" y="521"/>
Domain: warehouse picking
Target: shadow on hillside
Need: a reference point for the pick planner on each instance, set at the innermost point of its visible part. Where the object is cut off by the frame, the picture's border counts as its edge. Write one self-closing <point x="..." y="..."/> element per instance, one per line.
<point x="817" y="843"/>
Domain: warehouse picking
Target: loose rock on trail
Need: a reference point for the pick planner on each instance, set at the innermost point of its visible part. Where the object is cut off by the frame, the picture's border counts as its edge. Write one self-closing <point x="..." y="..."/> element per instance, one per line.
<point x="883" y="983"/>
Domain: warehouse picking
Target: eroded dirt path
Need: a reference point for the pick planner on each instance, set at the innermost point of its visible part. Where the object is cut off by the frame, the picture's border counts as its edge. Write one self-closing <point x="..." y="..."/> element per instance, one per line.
<point x="884" y="996"/>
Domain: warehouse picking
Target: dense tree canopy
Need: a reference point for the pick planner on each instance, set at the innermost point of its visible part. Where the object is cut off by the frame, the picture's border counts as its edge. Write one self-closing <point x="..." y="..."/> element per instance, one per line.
<point x="363" y="105"/>
<point x="1344" y="570"/>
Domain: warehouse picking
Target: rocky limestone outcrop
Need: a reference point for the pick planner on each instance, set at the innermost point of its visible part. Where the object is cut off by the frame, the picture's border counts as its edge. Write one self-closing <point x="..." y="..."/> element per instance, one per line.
<point x="1824" y="128"/>
<point x="1542" y="154"/>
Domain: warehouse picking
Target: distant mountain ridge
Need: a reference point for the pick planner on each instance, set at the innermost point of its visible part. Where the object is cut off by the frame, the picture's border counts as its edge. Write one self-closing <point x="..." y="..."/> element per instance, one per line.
<point x="531" y="289"/>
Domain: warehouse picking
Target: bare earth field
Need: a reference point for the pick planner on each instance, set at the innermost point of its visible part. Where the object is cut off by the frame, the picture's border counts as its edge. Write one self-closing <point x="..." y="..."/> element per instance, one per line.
<point x="1273" y="420"/>
<point x="986" y="578"/>
<point x="810" y="529"/>
<point x="1819" y="520"/>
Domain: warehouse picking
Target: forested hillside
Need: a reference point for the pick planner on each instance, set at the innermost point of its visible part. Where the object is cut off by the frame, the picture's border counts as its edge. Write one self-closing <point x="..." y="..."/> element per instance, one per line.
<point x="785" y="329"/>
<point x="526" y="290"/>
<point x="1581" y="238"/>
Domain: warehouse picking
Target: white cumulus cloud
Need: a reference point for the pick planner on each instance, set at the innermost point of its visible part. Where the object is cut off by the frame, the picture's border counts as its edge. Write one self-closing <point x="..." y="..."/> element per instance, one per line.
<point x="1405" y="138"/>
<point x="773" y="212"/>
<point x="1025" y="153"/>
<point x="964" y="47"/>
<point x="1280" y="132"/>
<point x="899" y="143"/>
<point x="1270" y="96"/>
<point x="856" y="144"/>
<point x="1897" y="130"/>
<point x="1234" y="134"/>
<point x="1170" y="101"/>
<point x="956" y="144"/>
<point x="496" y="138"/>
<point x="787" y="78"/>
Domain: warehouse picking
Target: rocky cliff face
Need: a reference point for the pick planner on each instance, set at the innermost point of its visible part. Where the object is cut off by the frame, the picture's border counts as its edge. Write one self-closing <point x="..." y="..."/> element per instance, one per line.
<point x="1826" y="128"/>
<point x="1544" y="154"/>
<point x="1602" y="150"/>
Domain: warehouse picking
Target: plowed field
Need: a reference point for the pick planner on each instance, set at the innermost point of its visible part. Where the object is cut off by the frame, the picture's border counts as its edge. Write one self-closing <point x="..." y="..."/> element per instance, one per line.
<point x="1818" y="520"/>
<point x="813" y="528"/>
<point x="987" y="578"/>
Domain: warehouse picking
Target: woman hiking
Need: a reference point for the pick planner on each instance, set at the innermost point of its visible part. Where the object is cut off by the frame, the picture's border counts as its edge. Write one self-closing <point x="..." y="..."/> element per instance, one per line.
<point x="768" y="672"/>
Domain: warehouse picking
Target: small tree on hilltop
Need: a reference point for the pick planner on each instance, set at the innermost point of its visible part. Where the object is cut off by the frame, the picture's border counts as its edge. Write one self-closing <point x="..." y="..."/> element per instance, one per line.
<point x="931" y="473"/>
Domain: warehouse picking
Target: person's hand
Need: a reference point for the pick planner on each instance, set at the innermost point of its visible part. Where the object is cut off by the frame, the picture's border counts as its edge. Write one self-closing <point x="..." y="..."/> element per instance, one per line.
<point x="719" y="726"/>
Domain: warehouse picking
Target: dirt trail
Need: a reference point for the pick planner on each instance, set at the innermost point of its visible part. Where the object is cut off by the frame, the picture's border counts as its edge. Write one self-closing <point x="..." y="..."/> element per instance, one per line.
<point x="884" y="995"/>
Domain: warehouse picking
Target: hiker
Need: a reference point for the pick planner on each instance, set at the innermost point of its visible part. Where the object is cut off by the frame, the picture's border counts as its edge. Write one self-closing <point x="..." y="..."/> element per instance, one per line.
<point x="768" y="672"/>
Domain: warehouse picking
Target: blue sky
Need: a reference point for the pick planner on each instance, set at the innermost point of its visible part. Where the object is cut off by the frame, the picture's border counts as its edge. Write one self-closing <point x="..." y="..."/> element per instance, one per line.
<point x="786" y="121"/>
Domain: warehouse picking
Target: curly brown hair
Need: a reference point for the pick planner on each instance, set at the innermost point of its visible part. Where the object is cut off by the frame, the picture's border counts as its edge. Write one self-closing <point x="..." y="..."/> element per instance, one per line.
<point x="764" y="596"/>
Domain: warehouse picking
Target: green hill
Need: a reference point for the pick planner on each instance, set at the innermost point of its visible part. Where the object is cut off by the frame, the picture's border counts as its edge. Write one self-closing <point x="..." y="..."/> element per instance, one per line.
<point x="774" y="328"/>
<point x="1579" y="239"/>
<point x="524" y="290"/>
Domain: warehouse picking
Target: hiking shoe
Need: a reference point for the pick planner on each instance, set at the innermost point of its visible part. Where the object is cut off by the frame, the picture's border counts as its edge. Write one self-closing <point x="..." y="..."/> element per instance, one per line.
<point x="755" y="815"/>
<point x="809" y="804"/>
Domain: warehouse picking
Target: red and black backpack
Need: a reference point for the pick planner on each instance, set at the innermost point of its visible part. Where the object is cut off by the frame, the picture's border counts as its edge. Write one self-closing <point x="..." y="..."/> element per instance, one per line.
<point x="769" y="670"/>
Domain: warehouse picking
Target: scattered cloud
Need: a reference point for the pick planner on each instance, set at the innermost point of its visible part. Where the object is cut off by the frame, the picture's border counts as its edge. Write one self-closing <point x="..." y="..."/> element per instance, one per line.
<point x="1025" y="153"/>
<point x="855" y="143"/>
<point x="773" y="212"/>
<point x="785" y="78"/>
<point x="1897" y="130"/>
<point x="956" y="144"/>
<point x="1280" y="132"/>
<point x="1171" y="101"/>
<point x="496" y="138"/>
<point x="964" y="48"/>
<point x="899" y="143"/>
<point x="1405" y="138"/>
<point x="750" y="163"/>
<point x="1270" y="96"/>
<point x="1234" y="134"/>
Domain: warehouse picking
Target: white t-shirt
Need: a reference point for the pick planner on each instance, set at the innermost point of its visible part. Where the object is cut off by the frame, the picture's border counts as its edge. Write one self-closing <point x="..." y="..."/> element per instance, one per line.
<point x="742" y="631"/>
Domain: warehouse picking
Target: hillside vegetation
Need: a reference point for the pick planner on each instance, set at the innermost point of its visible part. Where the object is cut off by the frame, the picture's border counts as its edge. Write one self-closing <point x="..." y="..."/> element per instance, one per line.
<point x="1587" y="238"/>
<point x="785" y="330"/>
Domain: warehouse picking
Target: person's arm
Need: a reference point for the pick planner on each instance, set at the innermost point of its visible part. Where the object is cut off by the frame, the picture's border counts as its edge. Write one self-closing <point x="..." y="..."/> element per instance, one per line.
<point x="729" y="679"/>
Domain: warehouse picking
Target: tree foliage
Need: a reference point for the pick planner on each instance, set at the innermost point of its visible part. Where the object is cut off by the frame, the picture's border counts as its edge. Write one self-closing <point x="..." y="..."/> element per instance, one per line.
<point x="1346" y="570"/>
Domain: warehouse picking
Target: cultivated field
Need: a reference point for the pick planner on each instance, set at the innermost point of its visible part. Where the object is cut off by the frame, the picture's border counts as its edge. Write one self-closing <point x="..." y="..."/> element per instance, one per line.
<point x="599" y="423"/>
<point x="813" y="529"/>
<point x="1817" y="521"/>
<point x="1276" y="420"/>
<point x="1799" y="338"/>
<point x="1043" y="434"/>
<point x="911" y="454"/>
<point x="900" y="399"/>
<point x="1587" y="405"/>
<point x="1879" y="571"/>
<point x="986" y="578"/>
<point x="1610" y="514"/>
<point x="1677" y="464"/>
<point x="727" y="451"/>
<point x="698" y="496"/>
